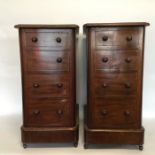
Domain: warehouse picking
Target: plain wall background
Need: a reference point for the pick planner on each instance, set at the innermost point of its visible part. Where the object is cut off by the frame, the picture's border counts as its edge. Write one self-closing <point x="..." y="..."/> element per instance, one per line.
<point x="79" y="12"/>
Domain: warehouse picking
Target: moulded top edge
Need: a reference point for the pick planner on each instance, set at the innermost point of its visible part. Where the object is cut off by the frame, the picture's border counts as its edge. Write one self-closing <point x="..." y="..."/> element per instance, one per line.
<point x="115" y="24"/>
<point x="41" y="26"/>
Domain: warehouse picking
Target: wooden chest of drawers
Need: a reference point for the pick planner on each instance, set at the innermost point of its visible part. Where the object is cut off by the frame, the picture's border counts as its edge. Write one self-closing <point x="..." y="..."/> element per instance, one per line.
<point x="50" y="113"/>
<point x="115" y="72"/>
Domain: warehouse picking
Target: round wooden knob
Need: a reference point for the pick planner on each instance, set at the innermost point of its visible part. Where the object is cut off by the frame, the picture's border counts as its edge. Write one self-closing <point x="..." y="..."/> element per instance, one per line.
<point x="59" y="60"/>
<point x="104" y="59"/>
<point x="59" y="112"/>
<point x="34" y="39"/>
<point x="129" y="38"/>
<point x="127" y="113"/>
<point x="104" y="112"/>
<point x="36" y="85"/>
<point x="104" y="85"/>
<point x="127" y="85"/>
<point x="128" y="60"/>
<point x="59" y="85"/>
<point x="58" y="40"/>
<point x="105" y="38"/>
<point x="36" y="112"/>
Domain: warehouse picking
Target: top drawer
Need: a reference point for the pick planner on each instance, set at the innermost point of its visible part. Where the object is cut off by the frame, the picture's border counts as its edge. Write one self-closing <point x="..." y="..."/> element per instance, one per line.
<point x="118" y="38"/>
<point x="47" y="39"/>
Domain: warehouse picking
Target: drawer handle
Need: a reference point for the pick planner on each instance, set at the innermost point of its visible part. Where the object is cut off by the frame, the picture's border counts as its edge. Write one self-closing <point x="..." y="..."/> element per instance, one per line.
<point x="58" y="40"/>
<point x="59" y="60"/>
<point x="104" y="112"/>
<point x="104" y="59"/>
<point x="128" y="60"/>
<point x="105" y="38"/>
<point x="34" y="39"/>
<point x="129" y="38"/>
<point x="104" y="85"/>
<point x="127" y="113"/>
<point x="36" y="85"/>
<point x="127" y="85"/>
<point x="60" y="112"/>
<point x="59" y="85"/>
<point x="36" y="112"/>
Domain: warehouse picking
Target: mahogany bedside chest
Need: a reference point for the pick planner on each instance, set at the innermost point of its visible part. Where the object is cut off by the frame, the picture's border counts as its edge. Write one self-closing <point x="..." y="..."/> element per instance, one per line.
<point x="50" y="113"/>
<point x="115" y="73"/>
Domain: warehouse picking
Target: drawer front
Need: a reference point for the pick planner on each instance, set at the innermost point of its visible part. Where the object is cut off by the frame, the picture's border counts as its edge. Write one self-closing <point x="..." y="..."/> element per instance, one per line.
<point x="116" y="84"/>
<point x="116" y="113"/>
<point x="49" y="112"/>
<point x="47" y="61"/>
<point x="120" y="60"/>
<point x="118" y="38"/>
<point x="47" y="39"/>
<point x="47" y="86"/>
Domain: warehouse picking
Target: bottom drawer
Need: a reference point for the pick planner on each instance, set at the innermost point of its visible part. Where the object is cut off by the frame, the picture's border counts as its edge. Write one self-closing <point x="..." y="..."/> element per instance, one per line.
<point x="115" y="114"/>
<point x="50" y="112"/>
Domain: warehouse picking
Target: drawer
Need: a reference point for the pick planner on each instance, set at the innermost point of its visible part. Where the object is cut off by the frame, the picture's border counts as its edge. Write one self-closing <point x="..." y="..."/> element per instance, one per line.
<point x="49" y="112"/>
<point x="116" y="84"/>
<point x="116" y="113"/>
<point x="47" y="86"/>
<point x="118" y="38"/>
<point x="47" y="39"/>
<point x="47" y="61"/>
<point x="116" y="60"/>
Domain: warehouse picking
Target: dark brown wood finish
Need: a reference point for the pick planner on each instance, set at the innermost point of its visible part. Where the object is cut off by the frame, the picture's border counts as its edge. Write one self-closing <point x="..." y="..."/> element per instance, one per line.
<point x="48" y="63"/>
<point x="115" y="72"/>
